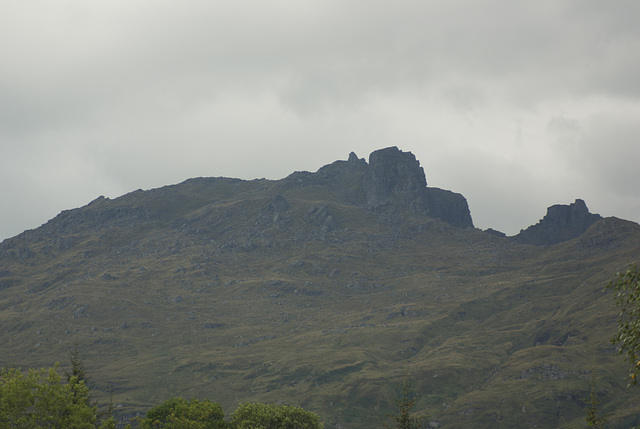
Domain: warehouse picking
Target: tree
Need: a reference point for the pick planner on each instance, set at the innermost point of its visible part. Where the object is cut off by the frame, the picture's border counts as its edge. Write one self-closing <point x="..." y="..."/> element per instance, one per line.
<point x="77" y="365"/>
<point x="78" y="374"/>
<point x="593" y="419"/>
<point x="405" y="403"/>
<point x="177" y="413"/>
<point x="626" y="286"/>
<point x="269" y="416"/>
<point x="40" y="399"/>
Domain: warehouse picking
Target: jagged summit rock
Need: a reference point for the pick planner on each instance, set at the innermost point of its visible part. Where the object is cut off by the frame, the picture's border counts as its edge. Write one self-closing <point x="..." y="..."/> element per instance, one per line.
<point x="561" y="223"/>
<point x="353" y="159"/>
<point x="395" y="179"/>
<point x="394" y="176"/>
<point x="391" y="182"/>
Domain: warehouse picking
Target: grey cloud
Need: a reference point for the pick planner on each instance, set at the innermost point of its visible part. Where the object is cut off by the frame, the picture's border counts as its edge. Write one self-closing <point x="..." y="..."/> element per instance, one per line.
<point x="332" y="50"/>
<point x="608" y="149"/>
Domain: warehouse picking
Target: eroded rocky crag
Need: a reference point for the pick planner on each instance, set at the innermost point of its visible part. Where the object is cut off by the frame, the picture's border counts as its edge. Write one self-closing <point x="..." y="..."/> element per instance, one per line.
<point x="395" y="179"/>
<point x="393" y="182"/>
<point x="561" y="223"/>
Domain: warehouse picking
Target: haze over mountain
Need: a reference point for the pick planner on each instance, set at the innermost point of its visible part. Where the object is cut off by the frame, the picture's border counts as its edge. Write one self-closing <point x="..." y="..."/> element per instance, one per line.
<point x="324" y="290"/>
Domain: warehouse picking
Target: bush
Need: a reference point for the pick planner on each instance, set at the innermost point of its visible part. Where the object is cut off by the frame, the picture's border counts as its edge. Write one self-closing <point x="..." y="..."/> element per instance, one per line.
<point x="268" y="416"/>
<point x="177" y="413"/>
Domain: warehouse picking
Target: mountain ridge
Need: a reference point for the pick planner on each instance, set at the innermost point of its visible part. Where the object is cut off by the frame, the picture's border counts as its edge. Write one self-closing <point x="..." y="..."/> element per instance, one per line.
<point x="313" y="291"/>
<point x="368" y="186"/>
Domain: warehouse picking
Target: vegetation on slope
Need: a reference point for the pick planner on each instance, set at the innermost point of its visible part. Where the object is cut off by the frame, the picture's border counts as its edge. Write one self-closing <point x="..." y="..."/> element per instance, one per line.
<point x="268" y="292"/>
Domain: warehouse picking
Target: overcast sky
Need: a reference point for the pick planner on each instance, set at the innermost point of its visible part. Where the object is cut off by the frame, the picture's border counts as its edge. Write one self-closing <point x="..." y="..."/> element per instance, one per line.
<point x="515" y="105"/>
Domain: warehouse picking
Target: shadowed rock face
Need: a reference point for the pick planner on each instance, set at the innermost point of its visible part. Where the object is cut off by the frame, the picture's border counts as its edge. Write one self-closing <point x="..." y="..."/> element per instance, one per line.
<point x="391" y="182"/>
<point x="448" y="206"/>
<point x="394" y="176"/>
<point x="395" y="180"/>
<point x="561" y="223"/>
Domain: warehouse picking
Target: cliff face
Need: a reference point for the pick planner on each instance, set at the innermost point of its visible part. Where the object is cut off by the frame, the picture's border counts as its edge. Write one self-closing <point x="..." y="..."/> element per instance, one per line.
<point x="561" y="223"/>
<point x="396" y="177"/>
<point x="395" y="180"/>
<point x="448" y="206"/>
<point x="391" y="182"/>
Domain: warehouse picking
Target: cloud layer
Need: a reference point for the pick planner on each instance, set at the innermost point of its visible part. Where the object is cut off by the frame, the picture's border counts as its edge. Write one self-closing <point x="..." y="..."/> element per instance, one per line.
<point x="516" y="106"/>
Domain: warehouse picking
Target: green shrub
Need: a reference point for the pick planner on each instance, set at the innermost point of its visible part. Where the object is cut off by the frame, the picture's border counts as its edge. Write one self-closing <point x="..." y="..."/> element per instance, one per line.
<point x="177" y="413"/>
<point x="269" y="416"/>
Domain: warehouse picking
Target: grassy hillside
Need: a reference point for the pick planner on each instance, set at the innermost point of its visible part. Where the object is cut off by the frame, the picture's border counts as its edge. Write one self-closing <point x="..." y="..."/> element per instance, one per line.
<point x="241" y="291"/>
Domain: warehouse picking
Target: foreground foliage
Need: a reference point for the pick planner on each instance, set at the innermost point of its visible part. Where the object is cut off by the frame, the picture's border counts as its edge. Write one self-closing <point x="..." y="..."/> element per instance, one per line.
<point x="626" y="285"/>
<point x="269" y="416"/>
<point x="39" y="398"/>
<point x="177" y="413"/>
<point x="180" y="413"/>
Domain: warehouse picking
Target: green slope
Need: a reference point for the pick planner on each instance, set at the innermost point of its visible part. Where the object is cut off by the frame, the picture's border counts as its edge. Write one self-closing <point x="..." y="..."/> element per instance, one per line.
<point x="241" y="291"/>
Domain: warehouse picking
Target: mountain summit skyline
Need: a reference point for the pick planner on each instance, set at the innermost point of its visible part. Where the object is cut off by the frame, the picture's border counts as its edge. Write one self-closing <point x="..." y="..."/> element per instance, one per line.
<point x="324" y="290"/>
<point x="393" y="178"/>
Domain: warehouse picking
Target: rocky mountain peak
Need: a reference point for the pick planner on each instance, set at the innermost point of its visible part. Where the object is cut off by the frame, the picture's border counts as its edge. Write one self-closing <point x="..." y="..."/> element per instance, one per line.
<point x="394" y="175"/>
<point x="561" y="223"/>
<point x="353" y="158"/>
<point x="395" y="180"/>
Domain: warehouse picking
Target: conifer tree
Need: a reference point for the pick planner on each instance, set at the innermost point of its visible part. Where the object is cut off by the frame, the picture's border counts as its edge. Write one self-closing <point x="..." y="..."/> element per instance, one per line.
<point x="593" y="420"/>
<point x="405" y="402"/>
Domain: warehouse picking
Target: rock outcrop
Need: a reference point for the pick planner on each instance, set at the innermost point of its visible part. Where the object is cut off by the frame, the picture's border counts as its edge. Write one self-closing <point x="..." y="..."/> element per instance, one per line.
<point x="396" y="177"/>
<point x="394" y="180"/>
<point x="449" y="206"/>
<point x="561" y="223"/>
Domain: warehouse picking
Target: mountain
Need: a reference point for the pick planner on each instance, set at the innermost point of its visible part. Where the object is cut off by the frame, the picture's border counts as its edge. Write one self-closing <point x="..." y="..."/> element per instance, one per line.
<point x="324" y="290"/>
